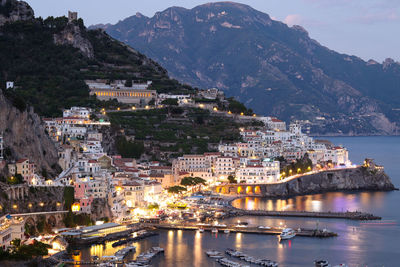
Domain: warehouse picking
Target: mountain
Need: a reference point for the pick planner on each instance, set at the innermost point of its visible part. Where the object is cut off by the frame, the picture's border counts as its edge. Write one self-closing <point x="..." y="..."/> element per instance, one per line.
<point x="49" y="59"/>
<point x="272" y="68"/>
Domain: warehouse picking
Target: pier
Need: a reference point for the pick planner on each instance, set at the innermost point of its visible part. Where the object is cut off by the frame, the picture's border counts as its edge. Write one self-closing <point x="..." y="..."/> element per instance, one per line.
<point x="247" y="230"/>
<point x="350" y="215"/>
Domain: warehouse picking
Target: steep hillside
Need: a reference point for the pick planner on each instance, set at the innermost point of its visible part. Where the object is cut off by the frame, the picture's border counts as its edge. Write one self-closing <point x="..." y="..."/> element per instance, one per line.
<point x="273" y="68"/>
<point x="25" y="137"/>
<point x="50" y="59"/>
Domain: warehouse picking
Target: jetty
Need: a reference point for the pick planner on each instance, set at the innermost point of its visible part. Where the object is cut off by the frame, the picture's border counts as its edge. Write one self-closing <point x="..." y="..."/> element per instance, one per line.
<point x="350" y="215"/>
<point x="248" y="230"/>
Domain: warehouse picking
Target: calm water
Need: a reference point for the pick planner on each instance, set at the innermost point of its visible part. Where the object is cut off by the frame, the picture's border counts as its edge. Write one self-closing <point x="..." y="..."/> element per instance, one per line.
<point x="358" y="244"/>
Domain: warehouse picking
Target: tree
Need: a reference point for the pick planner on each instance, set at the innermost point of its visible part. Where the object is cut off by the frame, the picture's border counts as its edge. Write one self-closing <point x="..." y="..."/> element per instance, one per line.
<point x="15" y="179"/>
<point x="232" y="179"/>
<point x="170" y="102"/>
<point x="176" y="189"/>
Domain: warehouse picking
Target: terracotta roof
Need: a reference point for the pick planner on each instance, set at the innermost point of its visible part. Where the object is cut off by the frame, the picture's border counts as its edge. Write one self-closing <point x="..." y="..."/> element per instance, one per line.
<point x="275" y="120"/>
<point x="160" y="167"/>
<point x="21" y="160"/>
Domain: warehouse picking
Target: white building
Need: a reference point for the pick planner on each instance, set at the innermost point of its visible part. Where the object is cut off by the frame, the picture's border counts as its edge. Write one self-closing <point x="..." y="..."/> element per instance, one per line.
<point x="78" y="112"/>
<point x="10" y="229"/>
<point x="226" y="166"/>
<point x="9" y="85"/>
<point x="267" y="172"/>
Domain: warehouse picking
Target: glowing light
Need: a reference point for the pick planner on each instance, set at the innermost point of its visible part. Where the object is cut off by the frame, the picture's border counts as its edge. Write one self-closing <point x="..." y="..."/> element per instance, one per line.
<point x="30" y="205"/>
<point x="118" y="108"/>
<point x="147" y="107"/>
<point x="76" y="207"/>
<point x="133" y="108"/>
<point x="15" y="206"/>
<point x="254" y="115"/>
<point x="215" y="109"/>
<point x="241" y="113"/>
<point x="58" y="204"/>
<point x="41" y="204"/>
<point x="229" y="112"/>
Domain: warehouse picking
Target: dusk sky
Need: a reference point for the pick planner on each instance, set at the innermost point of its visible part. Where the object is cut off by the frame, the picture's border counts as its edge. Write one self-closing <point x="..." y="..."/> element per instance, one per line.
<point x="365" y="28"/>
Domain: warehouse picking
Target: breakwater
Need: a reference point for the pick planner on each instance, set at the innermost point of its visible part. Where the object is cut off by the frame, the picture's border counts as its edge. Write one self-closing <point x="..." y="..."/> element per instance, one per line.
<point x="351" y="215"/>
<point x="249" y="230"/>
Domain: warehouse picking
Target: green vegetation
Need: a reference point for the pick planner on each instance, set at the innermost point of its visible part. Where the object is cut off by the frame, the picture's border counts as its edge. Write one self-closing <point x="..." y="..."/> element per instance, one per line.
<point x="174" y="129"/>
<point x="129" y="149"/>
<point x="176" y="189"/>
<point x="72" y="219"/>
<point x="51" y="77"/>
<point x="170" y="102"/>
<point x="24" y="252"/>
<point x="302" y="165"/>
<point x="232" y="179"/>
<point x="15" y="179"/>
<point x="68" y="197"/>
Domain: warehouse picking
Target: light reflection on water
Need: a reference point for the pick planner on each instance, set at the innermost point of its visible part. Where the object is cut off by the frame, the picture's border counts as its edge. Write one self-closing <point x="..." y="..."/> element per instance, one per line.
<point x="335" y="201"/>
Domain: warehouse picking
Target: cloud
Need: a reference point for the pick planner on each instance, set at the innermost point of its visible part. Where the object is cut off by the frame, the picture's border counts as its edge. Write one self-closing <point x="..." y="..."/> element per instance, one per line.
<point x="293" y="19"/>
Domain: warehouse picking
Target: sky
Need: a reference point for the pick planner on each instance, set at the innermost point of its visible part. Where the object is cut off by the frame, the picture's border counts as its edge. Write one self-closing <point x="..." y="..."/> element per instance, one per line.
<point x="369" y="29"/>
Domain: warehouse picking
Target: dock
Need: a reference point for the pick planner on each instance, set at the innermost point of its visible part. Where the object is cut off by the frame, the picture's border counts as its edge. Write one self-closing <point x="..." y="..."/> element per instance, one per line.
<point x="350" y="215"/>
<point x="247" y="230"/>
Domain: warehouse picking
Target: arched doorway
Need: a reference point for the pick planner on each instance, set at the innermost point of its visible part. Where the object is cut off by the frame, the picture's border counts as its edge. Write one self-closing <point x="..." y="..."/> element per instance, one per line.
<point x="257" y="190"/>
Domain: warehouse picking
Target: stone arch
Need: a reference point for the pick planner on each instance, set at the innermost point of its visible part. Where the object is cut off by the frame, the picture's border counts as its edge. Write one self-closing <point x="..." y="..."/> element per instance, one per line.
<point x="240" y="190"/>
<point x="30" y="221"/>
<point x="232" y="190"/>
<point x="249" y="190"/>
<point x="52" y="220"/>
<point x="257" y="190"/>
<point x="223" y="190"/>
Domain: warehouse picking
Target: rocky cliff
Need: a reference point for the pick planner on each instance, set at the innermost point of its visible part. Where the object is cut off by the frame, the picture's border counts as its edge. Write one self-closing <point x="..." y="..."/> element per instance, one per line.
<point x="25" y="137"/>
<point x="337" y="180"/>
<point x="48" y="196"/>
<point x="272" y="68"/>
<point x="13" y="10"/>
<point x="352" y="179"/>
<point x="73" y="35"/>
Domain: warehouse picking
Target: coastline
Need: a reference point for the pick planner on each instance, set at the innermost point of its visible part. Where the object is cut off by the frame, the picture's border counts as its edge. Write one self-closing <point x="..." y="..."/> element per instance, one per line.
<point x="341" y="180"/>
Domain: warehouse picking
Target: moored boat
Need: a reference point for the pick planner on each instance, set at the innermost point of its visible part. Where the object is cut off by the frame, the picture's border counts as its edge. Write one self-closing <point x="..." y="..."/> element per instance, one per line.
<point x="287" y="233"/>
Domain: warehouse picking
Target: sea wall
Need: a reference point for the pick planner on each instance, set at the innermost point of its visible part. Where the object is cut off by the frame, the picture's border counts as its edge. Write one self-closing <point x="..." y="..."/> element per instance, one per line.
<point x="360" y="178"/>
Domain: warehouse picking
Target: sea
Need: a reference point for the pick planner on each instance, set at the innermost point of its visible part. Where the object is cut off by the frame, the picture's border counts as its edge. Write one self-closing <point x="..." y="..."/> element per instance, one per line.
<point x="358" y="243"/>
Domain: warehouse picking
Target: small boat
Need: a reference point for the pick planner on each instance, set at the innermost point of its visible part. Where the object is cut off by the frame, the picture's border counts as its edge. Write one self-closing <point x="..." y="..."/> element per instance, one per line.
<point x="201" y="230"/>
<point x="214" y="254"/>
<point x="214" y="230"/>
<point x="264" y="227"/>
<point x="157" y="249"/>
<point x="322" y="263"/>
<point x="287" y="233"/>
<point x="226" y="231"/>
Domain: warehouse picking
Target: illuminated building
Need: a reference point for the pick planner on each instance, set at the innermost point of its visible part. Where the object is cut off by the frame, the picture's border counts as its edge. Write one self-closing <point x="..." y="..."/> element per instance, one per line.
<point x="135" y="94"/>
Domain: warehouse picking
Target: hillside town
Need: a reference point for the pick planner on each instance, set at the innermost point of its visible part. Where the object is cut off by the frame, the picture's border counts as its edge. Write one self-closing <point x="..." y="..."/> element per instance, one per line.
<point x="129" y="185"/>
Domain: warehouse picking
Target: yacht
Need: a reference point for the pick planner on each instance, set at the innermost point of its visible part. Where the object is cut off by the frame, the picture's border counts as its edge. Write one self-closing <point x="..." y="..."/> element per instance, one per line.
<point x="287" y="233"/>
<point x="322" y="263"/>
<point x="201" y="230"/>
<point x="214" y="230"/>
<point x="226" y="231"/>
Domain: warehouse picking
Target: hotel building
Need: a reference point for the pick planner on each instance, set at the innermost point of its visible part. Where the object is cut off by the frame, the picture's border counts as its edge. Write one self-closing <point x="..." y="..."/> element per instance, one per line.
<point x="136" y="94"/>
